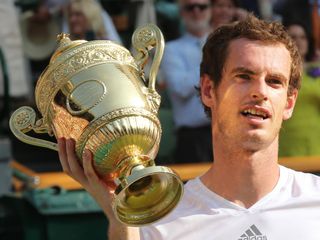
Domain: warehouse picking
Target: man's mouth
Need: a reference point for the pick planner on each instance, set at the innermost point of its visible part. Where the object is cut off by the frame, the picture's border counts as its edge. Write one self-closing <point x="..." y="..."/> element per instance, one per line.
<point x="255" y="113"/>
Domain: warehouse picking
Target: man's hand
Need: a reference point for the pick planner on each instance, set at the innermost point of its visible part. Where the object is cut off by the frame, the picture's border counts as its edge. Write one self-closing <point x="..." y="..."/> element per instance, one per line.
<point x="101" y="191"/>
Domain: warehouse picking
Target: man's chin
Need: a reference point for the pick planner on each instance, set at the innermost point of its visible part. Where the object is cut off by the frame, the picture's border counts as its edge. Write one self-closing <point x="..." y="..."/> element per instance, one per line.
<point x="255" y="141"/>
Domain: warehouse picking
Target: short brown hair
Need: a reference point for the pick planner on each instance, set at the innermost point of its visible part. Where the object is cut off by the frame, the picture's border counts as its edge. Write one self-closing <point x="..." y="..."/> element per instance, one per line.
<point x="215" y="51"/>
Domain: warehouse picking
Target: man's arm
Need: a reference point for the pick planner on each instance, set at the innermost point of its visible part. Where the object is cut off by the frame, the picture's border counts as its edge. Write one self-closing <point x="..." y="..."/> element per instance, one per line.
<point x="101" y="191"/>
<point x="121" y="232"/>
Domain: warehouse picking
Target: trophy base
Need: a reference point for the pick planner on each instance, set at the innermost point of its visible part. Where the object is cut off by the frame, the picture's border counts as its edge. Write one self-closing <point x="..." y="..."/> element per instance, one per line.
<point x="147" y="195"/>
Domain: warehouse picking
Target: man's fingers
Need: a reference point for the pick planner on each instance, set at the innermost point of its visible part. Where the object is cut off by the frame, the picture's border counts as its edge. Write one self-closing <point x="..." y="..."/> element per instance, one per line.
<point x="111" y="185"/>
<point x="76" y="171"/>
<point x="63" y="154"/>
<point x="91" y="174"/>
<point x="85" y="175"/>
<point x="92" y="177"/>
<point x="88" y="167"/>
<point x="99" y="188"/>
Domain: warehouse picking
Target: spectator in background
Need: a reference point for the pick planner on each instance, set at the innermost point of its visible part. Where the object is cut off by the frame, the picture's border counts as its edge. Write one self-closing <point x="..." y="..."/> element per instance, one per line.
<point x="290" y="10"/>
<point x="40" y="24"/>
<point x="315" y="18"/>
<point x="28" y="41"/>
<point x="226" y="11"/>
<point x="300" y="136"/>
<point x="308" y="13"/>
<point x="261" y="8"/>
<point x="86" y="19"/>
<point x="180" y="69"/>
<point x="15" y="86"/>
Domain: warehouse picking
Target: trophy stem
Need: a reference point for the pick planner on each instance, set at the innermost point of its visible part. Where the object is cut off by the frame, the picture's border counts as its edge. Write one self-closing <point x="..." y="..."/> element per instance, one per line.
<point x="133" y="164"/>
<point x="141" y="185"/>
<point x="147" y="194"/>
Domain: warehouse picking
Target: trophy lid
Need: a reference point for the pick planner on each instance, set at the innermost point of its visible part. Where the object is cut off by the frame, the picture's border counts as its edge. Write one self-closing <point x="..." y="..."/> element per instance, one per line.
<point x="70" y="58"/>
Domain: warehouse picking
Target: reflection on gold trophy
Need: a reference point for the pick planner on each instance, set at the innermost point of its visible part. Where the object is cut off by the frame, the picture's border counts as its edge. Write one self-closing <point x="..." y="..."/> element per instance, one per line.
<point x="95" y="92"/>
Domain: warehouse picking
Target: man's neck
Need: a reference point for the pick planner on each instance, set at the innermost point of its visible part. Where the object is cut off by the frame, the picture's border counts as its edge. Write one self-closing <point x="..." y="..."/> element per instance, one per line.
<point x="243" y="177"/>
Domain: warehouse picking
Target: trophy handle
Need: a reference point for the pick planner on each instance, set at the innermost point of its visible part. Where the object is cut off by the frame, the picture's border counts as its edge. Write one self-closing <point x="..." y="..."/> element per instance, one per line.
<point x="22" y="121"/>
<point x="144" y="39"/>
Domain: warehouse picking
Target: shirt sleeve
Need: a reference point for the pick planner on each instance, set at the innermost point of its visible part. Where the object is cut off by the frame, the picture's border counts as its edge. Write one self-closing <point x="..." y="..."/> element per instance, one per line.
<point x="149" y="233"/>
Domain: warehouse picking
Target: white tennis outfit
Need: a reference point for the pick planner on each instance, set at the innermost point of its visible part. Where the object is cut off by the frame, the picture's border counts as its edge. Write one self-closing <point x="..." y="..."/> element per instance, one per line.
<point x="290" y="211"/>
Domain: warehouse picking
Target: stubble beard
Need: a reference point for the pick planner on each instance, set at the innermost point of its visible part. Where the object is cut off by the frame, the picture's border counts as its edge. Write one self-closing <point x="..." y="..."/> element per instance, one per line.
<point x="234" y="139"/>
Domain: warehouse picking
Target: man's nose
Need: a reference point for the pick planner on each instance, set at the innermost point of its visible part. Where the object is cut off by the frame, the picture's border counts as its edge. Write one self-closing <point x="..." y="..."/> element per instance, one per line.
<point x="259" y="90"/>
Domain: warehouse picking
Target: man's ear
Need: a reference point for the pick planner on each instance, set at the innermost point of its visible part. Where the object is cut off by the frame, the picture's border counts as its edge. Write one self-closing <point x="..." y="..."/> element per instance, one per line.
<point x="291" y="101"/>
<point x="207" y="90"/>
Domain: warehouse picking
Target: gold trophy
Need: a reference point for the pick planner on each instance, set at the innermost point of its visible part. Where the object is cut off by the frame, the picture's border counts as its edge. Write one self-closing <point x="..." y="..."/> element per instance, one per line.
<point x="95" y="92"/>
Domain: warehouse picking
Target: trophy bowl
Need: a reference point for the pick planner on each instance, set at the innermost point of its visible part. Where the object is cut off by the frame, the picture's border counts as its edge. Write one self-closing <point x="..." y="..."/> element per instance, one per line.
<point x="95" y="92"/>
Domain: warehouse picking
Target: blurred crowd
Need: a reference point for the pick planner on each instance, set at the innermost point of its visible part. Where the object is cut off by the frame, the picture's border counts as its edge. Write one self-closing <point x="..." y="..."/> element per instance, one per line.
<point x="28" y="34"/>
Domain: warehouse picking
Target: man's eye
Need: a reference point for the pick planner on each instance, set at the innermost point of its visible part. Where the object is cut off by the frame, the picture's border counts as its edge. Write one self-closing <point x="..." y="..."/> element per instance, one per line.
<point x="244" y="76"/>
<point x="275" y="81"/>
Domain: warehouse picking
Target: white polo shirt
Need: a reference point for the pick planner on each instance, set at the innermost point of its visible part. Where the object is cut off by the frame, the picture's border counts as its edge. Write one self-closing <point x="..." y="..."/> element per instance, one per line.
<point x="290" y="211"/>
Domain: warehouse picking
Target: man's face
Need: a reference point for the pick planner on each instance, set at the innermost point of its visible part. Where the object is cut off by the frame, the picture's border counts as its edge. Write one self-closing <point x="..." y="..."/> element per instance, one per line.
<point x="251" y="101"/>
<point x="196" y="13"/>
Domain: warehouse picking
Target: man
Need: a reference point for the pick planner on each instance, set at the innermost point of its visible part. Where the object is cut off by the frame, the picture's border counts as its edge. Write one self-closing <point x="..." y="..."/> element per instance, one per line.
<point x="181" y="73"/>
<point x="250" y="76"/>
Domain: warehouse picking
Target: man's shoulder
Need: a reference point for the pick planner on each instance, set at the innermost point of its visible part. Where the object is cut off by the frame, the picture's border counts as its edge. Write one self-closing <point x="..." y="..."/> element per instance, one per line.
<point x="195" y="194"/>
<point x="306" y="182"/>
<point x="302" y="175"/>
